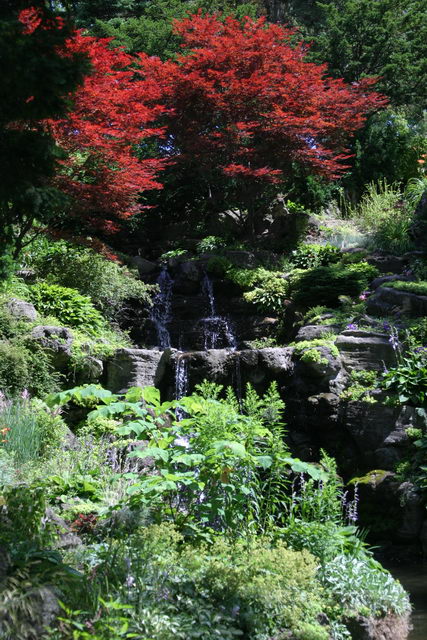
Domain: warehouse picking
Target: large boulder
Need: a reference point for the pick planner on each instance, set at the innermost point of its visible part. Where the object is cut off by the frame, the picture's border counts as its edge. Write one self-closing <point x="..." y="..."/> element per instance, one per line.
<point x="315" y="331"/>
<point x="135" y="368"/>
<point x="21" y="309"/>
<point x="388" y="301"/>
<point x="365" y="350"/>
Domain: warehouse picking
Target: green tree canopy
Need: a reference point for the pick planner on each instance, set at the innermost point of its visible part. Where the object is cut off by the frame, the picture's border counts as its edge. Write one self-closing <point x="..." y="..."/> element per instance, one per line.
<point x="36" y="81"/>
<point x="385" y="38"/>
<point x="146" y="25"/>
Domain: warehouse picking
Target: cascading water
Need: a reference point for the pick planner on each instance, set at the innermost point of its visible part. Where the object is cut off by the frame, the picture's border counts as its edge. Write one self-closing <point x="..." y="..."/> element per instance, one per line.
<point x="216" y="329"/>
<point x="181" y="382"/>
<point x="161" y="309"/>
<point x="181" y="377"/>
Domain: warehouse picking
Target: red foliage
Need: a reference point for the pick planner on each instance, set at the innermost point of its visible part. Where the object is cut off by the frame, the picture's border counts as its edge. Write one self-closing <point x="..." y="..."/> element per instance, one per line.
<point x="244" y="99"/>
<point x="110" y="117"/>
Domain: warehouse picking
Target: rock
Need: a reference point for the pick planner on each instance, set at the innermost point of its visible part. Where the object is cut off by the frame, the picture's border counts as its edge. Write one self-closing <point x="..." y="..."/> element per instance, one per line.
<point x="387" y="264"/>
<point x="136" y="368"/>
<point x="365" y="350"/>
<point x="327" y="367"/>
<point x="44" y="608"/>
<point x="144" y="266"/>
<point x="315" y="331"/>
<point x="276" y="360"/>
<point x="387" y="301"/>
<point x="243" y="259"/>
<point x="369" y="425"/>
<point x="413" y="512"/>
<point x="377" y="282"/>
<point x="389" y="627"/>
<point x="187" y="278"/>
<point x="423" y="537"/>
<point x="21" y="309"/>
<point x="57" y="341"/>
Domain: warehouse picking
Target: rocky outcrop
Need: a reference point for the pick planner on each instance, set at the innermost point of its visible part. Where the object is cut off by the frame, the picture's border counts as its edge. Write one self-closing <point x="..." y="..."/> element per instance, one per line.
<point x="21" y="309"/>
<point x="135" y="368"/>
<point x="57" y="342"/>
<point x="315" y="331"/>
<point x="365" y="350"/>
<point x="389" y="301"/>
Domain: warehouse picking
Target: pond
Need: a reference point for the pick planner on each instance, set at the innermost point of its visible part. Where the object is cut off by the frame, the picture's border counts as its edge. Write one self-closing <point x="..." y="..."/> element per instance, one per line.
<point x="414" y="579"/>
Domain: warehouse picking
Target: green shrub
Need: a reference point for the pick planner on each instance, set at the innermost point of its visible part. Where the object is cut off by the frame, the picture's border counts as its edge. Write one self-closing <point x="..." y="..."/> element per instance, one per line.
<point x="362" y="584"/>
<point x="419" y="288"/>
<point x="211" y="244"/>
<point x="68" y="305"/>
<point x="361" y="384"/>
<point x="268" y="290"/>
<point x="270" y="588"/>
<point x="50" y="426"/>
<point x="11" y="326"/>
<point x="109" y="285"/>
<point x="325" y="540"/>
<point x="408" y="380"/>
<point x="324" y="285"/>
<point x="14" y="369"/>
<point x="270" y="297"/>
<point x="307" y="349"/>
<point x="225" y="590"/>
<point x="307" y="256"/>
<point x="383" y="211"/>
<point x="25" y="365"/>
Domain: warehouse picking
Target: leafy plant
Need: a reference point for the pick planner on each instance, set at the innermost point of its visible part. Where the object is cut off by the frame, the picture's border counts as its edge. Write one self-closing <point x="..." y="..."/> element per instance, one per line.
<point x="110" y="286"/>
<point x="307" y="255"/>
<point x="362" y="584"/>
<point x="68" y="305"/>
<point x="361" y="384"/>
<point x="210" y="244"/>
<point x="408" y="380"/>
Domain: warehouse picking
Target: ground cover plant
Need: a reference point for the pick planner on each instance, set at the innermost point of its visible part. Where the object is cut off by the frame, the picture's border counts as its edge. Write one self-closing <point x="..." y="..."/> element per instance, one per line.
<point x="210" y="526"/>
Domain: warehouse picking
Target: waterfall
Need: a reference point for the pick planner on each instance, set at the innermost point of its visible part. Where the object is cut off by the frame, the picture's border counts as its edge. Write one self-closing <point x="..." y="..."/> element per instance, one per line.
<point x="207" y="289"/>
<point x="161" y="310"/>
<point x="181" y="383"/>
<point x="237" y="380"/>
<point x="181" y="377"/>
<point x="217" y="331"/>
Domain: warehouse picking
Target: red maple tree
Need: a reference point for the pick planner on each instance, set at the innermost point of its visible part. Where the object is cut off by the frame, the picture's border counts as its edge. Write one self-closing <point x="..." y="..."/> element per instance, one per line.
<point x="108" y="118"/>
<point x="111" y="116"/>
<point x="243" y="102"/>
